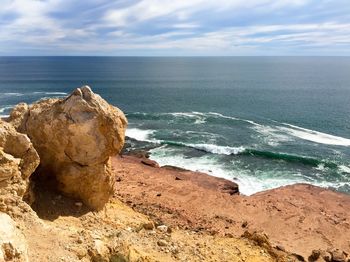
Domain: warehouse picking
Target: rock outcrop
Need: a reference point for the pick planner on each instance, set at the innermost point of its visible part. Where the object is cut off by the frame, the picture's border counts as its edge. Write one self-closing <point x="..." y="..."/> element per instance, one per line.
<point x="75" y="138"/>
<point x="13" y="245"/>
<point x="18" y="160"/>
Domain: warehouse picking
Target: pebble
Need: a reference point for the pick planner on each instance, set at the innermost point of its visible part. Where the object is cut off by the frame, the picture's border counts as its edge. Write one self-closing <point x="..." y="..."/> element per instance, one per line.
<point x="163" y="228"/>
<point x="78" y="204"/>
<point x="245" y="224"/>
<point x="162" y="243"/>
<point x="148" y="226"/>
<point x="338" y="256"/>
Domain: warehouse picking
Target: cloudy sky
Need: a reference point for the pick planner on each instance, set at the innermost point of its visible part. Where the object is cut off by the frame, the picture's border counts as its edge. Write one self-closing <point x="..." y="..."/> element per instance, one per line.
<point x="175" y="27"/>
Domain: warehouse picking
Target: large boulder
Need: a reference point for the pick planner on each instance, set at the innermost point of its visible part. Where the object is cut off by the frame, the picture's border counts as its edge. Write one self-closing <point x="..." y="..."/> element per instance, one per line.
<point x="13" y="245"/>
<point x="75" y="138"/>
<point x="18" y="160"/>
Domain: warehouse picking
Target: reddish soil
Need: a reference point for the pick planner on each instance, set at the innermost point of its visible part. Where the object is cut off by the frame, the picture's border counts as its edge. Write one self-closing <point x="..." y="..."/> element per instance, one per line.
<point x="298" y="218"/>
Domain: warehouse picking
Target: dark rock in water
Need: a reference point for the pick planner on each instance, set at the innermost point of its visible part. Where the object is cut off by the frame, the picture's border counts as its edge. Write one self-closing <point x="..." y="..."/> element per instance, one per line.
<point x="149" y="162"/>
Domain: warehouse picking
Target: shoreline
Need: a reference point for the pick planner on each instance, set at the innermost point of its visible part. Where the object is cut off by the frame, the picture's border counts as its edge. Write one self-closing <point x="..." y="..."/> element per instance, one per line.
<point x="299" y="218"/>
<point x="146" y="154"/>
<point x="63" y="189"/>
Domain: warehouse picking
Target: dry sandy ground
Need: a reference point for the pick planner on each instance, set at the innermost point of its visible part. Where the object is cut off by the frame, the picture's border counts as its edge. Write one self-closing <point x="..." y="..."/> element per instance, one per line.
<point x="66" y="230"/>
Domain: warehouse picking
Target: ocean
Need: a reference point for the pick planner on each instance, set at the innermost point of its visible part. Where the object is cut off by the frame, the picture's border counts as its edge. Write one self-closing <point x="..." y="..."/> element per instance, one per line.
<point x="262" y="122"/>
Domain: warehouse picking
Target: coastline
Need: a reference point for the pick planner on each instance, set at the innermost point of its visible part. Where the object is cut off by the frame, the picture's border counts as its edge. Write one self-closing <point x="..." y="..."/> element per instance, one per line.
<point x="299" y="218"/>
<point x="64" y="186"/>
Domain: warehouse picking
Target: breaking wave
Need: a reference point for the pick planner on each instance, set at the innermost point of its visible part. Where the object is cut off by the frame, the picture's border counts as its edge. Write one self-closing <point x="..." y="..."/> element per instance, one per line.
<point x="148" y="136"/>
<point x="51" y="93"/>
<point x="315" y="136"/>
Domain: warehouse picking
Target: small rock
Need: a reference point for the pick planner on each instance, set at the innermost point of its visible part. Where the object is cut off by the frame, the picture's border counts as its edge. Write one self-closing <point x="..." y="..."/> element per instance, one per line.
<point x="177" y="178"/>
<point x="80" y="252"/>
<point x="326" y="256"/>
<point x="162" y="243"/>
<point x="245" y="224"/>
<point x="159" y="194"/>
<point x="281" y="248"/>
<point x="149" y="162"/>
<point x="338" y="256"/>
<point x="148" y="226"/>
<point x="163" y="228"/>
<point x="79" y="240"/>
<point x="314" y="255"/>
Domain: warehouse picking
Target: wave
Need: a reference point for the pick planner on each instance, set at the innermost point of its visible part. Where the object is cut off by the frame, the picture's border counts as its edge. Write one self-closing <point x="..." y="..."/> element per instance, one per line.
<point x="226" y="150"/>
<point x="141" y="135"/>
<point x="314" y="162"/>
<point x="198" y="117"/>
<point x="208" y="148"/>
<point x="315" y="136"/>
<point x="5" y="108"/>
<point x="50" y="93"/>
<point x="282" y="132"/>
<point x="344" y="169"/>
<point x="233" y="118"/>
<point x="12" y="94"/>
<point x="249" y="183"/>
<point x="146" y="136"/>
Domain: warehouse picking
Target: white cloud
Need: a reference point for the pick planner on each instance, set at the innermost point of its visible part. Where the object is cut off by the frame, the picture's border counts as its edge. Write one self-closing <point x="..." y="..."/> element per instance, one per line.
<point x="182" y="10"/>
<point x="174" y="25"/>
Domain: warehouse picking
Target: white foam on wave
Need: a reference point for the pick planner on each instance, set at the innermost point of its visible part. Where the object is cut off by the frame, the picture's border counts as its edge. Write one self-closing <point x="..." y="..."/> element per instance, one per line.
<point x="5" y="108"/>
<point x="140" y="134"/>
<point x="215" y="149"/>
<point x="314" y="136"/>
<point x="12" y="94"/>
<point x="143" y="135"/>
<point x="50" y="93"/>
<point x="202" y="117"/>
<point x="199" y="118"/>
<point x="344" y="169"/>
<point x="249" y="183"/>
<point x="271" y="136"/>
<point x="234" y="118"/>
<point x="170" y="156"/>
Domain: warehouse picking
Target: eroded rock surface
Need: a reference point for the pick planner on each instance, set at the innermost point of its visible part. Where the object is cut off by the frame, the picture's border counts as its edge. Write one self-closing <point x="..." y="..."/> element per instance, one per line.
<point x="75" y="138"/>
<point x="13" y="245"/>
<point x="18" y="160"/>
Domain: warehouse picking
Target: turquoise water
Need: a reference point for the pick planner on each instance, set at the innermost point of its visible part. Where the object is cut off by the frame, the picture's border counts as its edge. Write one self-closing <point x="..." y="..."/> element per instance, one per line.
<point x="262" y="121"/>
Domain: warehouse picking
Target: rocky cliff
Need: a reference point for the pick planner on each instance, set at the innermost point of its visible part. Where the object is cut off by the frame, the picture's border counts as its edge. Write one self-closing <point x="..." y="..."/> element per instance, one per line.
<point x="18" y="160"/>
<point x="84" y="203"/>
<point x="75" y="138"/>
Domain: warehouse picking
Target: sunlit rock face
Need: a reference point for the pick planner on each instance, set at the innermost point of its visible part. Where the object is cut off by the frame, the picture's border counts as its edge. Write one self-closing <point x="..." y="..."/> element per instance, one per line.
<point x="18" y="160"/>
<point x="75" y="138"/>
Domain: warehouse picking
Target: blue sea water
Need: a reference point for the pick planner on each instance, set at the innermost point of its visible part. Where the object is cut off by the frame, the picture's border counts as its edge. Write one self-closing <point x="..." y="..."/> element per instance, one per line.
<point x="262" y="121"/>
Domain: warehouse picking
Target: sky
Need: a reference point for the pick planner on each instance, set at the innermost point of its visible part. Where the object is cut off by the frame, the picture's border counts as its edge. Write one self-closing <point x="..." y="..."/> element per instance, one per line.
<point x="175" y="27"/>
